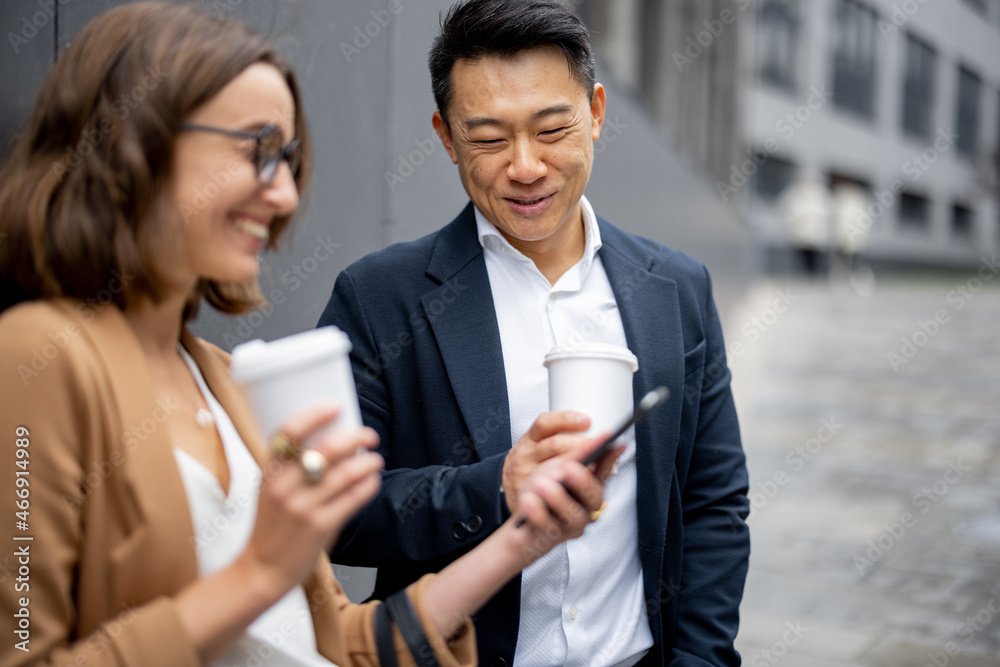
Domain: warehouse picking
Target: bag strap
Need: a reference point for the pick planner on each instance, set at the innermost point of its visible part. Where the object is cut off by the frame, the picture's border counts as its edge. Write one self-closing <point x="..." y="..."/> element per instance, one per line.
<point x="385" y="644"/>
<point x="405" y="616"/>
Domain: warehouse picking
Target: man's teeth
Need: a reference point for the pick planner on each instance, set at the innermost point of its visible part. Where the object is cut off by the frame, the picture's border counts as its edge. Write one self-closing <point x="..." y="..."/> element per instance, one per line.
<point x="254" y="229"/>
<point x="528" y="202"/>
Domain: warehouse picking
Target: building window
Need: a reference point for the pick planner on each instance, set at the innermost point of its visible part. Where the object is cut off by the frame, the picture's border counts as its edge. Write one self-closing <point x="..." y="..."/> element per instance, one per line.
<point x="918" y="88"/>
<point x="777" y="43"/>
<point x="961" y="222"/>
<point x="914" y="212"/>
<point x="838" y="179"/>
<point x="980" y="6"/>
<point x="773" y="176"/>
<point x="967" y="121"/>
<point x="855" y="51"/>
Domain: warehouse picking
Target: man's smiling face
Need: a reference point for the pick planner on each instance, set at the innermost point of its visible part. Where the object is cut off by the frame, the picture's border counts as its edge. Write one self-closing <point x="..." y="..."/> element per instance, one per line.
<point x="521" y="130"/>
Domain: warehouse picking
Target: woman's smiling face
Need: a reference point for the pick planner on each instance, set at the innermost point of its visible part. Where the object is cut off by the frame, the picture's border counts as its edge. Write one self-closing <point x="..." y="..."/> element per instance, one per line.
<point x="225" y="210"/>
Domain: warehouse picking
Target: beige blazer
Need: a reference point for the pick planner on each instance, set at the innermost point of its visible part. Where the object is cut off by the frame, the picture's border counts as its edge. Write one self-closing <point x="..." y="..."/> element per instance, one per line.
<point x="106" y="537"/>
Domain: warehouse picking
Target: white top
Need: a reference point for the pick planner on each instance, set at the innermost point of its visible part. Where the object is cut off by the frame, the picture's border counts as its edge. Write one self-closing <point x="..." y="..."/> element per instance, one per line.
<point x="582" y="603"/>
<point x="283" y="636"/>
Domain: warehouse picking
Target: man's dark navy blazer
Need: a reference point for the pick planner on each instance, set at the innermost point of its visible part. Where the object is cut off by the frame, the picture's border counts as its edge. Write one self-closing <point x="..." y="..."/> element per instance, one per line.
<point x="430" y="376"/>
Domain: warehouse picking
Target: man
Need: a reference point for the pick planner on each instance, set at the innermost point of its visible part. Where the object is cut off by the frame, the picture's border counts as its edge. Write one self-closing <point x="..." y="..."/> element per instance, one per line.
<point x="449" y="336"/>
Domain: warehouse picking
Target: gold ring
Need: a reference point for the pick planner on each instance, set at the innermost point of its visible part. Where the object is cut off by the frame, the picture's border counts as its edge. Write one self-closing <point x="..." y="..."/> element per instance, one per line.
<point x="284" y="447"/>
<point x="315" y="465"/>
<point x="596" y="514"/>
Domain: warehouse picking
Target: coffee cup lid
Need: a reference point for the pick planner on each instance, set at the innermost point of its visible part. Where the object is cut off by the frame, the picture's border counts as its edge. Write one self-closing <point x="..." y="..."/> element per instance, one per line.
<point x="257" y="359"/>
<point x="593" y="351"/>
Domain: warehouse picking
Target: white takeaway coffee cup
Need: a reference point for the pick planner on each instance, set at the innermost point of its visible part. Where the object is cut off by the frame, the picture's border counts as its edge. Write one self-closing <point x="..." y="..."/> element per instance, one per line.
<point x="290" y="374"/>
<point x="595" y="379"/>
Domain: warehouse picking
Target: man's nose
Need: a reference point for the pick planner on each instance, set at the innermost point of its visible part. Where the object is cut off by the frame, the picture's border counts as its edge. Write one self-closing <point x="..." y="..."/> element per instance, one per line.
<point x="526" y="165"/>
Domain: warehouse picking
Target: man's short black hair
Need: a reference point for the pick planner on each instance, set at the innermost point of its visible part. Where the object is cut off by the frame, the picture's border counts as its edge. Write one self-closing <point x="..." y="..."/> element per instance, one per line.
<point x="475" y="29"/>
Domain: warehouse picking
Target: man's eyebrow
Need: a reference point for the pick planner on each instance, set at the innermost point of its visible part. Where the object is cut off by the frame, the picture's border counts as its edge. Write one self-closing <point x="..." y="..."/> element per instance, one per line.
<point x="553" y="110"/>
<point x="473" y="123"/>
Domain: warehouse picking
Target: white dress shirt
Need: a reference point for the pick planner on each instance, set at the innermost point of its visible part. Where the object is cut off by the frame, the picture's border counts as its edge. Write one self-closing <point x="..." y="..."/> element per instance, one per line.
<point x="583" y="602"/>
<point x="283" y="636"/>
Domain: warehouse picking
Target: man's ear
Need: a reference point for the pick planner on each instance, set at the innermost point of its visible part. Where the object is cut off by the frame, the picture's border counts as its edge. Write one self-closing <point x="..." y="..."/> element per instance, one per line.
<point x="597" y="108"/>
<point x="444" y="133"/>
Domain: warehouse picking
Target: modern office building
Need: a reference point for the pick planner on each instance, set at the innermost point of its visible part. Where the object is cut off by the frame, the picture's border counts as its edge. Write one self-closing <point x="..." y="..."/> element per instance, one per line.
<point x="899" y="97"/>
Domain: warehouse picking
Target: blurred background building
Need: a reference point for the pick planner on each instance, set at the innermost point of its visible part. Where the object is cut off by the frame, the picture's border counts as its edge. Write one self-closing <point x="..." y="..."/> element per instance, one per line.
<point x="898" y="97"/>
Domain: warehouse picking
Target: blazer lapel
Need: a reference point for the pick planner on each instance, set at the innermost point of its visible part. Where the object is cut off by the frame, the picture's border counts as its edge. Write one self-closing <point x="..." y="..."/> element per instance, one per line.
<point x="650" y="312"/>
<point x="463" y="320"/>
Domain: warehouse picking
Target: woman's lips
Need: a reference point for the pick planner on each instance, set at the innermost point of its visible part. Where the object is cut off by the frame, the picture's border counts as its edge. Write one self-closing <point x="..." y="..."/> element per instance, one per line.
<point x="255" y="228"/>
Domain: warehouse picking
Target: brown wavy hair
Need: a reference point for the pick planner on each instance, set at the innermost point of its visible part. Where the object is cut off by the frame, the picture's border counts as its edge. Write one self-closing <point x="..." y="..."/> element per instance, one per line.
<point x="86" y="191"/>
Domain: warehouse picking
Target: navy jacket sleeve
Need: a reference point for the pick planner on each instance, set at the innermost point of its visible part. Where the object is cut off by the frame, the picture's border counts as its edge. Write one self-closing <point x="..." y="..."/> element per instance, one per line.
<point x="716" y="540"/>
<point x="437" y="499"/>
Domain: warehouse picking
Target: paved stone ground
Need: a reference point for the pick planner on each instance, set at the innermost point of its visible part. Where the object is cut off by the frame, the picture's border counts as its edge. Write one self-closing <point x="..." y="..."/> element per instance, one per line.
<point x="876" y="490"/>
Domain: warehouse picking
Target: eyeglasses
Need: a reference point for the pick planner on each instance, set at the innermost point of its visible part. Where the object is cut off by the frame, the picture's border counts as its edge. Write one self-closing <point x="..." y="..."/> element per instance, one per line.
<point x="268" y="153"/>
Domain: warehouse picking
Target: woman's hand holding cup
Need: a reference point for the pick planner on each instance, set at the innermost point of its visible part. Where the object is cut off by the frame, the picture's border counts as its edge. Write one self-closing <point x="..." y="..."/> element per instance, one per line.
<point x="300" y="513"/>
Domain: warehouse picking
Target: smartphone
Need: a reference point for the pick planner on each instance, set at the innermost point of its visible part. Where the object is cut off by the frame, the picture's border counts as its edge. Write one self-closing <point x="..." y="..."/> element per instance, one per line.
<point x="643" y="408"/>
<point x="654" y="398"/>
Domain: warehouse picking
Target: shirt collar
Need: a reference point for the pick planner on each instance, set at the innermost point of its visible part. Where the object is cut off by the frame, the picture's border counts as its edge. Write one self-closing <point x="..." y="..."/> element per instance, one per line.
<point x="491" y="239"/>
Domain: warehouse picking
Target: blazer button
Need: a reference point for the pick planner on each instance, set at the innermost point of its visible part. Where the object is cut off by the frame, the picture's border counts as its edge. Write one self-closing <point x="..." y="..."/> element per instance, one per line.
<point x="459" y="532"/>
<point x="498" y="662"/>
<point x="474" y="524"/>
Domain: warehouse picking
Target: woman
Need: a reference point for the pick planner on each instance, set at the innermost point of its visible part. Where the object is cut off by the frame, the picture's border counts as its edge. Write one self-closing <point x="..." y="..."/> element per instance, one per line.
<point x="122" y="432"/>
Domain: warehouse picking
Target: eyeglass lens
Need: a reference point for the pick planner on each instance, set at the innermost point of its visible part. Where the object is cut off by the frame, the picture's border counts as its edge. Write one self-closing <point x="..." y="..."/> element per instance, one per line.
<point x="270" y="153"/>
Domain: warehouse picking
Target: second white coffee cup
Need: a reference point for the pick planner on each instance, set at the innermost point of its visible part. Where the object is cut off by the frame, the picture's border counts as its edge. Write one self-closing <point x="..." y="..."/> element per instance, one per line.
<point x="595" y="379"/>
<point x="290" y="374"/>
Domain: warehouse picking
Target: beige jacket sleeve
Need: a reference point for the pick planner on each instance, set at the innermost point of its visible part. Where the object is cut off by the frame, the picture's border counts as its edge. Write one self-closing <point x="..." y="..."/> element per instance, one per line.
<point x="50" y="391"/>
<point x="351" y="639"/>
